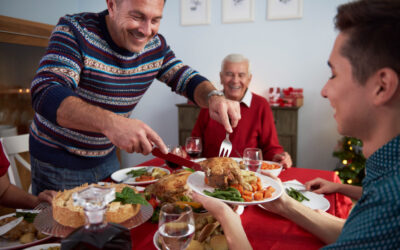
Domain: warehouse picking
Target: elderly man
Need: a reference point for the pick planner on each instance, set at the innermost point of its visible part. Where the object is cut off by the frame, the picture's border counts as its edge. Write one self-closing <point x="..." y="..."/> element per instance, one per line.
<point x="256" y="129"/>
<point x="95" y="70"/>
<point x="364" y="91"/>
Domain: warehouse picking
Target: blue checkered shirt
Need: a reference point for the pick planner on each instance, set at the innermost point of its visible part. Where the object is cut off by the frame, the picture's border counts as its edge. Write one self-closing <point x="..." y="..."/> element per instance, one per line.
<point x="374" y="223"/>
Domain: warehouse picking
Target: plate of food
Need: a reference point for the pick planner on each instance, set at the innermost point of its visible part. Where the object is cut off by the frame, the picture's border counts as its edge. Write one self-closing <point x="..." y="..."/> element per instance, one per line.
<point x="224" y="179"/>
<point x="63" y="216"/>
<point x="23" y="235"/>
<point x="307" y="198"/>
<point x="48" y="246"/>
<point x="139" y="175"/>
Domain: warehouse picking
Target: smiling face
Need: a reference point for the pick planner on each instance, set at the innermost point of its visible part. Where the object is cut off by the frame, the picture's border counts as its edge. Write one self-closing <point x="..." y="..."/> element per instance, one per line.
<point x="235" y="77"/>
<point x="348" y="97"/>
<point x="133" y="23"/>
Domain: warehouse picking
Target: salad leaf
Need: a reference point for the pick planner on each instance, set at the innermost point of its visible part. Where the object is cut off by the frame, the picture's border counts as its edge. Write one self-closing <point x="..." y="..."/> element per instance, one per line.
<point x="128" y="196"/>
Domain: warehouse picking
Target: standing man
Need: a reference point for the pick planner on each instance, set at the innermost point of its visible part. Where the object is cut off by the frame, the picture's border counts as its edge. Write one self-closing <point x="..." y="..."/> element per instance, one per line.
<point x="256" y="129"/>
<point x="95" y="70"/>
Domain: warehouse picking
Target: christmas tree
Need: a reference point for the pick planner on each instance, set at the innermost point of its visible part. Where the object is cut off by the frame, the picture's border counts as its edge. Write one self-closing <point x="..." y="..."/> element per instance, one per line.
<point x="350" y="169"/>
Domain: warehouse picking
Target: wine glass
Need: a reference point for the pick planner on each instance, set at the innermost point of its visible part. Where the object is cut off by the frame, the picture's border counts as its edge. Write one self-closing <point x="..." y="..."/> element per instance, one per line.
<point x="252" y="158"/>
<point x="193" y="147"/>
<point x="176" y="226"/>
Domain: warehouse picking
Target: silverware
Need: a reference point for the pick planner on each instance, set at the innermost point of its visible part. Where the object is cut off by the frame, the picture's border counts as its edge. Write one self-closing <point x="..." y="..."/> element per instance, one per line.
<point x="226" y="147"/>
<point x="7" y="227"/>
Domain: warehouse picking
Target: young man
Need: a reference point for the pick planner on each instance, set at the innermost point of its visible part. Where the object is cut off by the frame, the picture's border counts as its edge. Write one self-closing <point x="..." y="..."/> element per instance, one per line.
<point x="95" y="71"/>
<point x="255" y="130"/>
<point x="364" y="91"/>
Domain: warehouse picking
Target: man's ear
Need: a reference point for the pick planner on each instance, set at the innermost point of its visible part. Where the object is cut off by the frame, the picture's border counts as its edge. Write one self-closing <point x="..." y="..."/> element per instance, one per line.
<point x="111" y="5"/>
<point x="386" y="85"/>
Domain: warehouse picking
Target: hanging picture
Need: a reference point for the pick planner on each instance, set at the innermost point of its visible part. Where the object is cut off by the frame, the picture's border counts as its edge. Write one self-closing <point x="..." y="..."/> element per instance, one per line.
<point x="284" y="9"/>
<point x="195" y="12"/>
<point x="234" y="11"/>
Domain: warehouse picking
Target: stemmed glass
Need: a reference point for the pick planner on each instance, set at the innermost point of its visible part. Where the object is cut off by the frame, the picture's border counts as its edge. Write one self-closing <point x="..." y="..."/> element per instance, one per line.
<point x="252" y="158"/>
<point x="176" y="226"/>
<point x="193" y="147"/>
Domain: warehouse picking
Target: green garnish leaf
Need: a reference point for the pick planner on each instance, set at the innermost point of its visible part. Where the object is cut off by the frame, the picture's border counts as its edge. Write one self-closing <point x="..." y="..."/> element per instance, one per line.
<point x="128" y="196"/>
<point x="28" y="217"/>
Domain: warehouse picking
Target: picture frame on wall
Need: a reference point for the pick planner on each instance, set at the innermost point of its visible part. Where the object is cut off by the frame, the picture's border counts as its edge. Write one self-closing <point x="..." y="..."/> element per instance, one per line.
<point x="235" y="11"/>
<point x="284" y="9"/>
<point x="195" y="12"/>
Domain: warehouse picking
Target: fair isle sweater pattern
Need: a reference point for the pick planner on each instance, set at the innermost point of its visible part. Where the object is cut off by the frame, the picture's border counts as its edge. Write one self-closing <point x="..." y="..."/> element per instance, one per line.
<point x="82" y="60"/>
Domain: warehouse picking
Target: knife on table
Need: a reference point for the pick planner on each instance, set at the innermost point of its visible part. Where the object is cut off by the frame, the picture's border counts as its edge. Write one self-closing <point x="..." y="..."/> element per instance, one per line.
<point x="7" y="227"/>
<point x="176" y="159"/>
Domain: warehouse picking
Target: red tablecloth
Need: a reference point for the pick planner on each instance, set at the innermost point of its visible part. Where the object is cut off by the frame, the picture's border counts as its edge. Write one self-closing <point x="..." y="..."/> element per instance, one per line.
<point x="265" y="230"/>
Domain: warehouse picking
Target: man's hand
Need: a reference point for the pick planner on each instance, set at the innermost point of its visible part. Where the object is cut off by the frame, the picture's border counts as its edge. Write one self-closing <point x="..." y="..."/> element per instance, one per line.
<point x="47" y="196"/>
<point x="224" y="111"/>
<point x="133" y="135"/>
<point x="284" y="159"/>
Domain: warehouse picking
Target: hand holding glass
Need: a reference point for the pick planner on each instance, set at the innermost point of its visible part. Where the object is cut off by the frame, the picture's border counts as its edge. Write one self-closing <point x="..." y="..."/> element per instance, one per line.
<point x="252" y="158"/>
<point x="176" y="226"/>
<point x="193" y="147"/>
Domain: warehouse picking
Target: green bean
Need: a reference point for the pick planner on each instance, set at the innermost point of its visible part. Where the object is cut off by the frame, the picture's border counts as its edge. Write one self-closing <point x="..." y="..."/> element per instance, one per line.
<point x="298" y="196"/>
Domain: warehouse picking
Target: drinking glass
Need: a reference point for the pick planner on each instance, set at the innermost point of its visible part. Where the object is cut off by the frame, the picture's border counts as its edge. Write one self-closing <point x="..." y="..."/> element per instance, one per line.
<point x="193" y="147"/>
<point x="176" y="226"/>
<point x="252" y="158"/>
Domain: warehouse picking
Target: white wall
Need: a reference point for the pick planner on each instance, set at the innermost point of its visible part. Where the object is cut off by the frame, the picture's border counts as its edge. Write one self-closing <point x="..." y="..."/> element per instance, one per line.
<point x="282" y="52"/>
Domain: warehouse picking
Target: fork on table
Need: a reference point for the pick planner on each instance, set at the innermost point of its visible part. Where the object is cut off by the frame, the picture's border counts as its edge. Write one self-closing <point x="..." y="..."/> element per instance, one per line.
<point x="226" y="147"/>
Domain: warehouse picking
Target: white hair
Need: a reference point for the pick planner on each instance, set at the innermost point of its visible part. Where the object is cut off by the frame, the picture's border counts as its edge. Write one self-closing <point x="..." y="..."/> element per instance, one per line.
<point x="235" y="58"/>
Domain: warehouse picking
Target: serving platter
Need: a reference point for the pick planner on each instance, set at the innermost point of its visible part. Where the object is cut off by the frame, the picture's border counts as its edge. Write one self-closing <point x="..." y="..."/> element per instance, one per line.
<point x="121" y="176"/>
<point x="46" y="224"/>
<point x="196" y="182"/>
<point x="8" y="244"/>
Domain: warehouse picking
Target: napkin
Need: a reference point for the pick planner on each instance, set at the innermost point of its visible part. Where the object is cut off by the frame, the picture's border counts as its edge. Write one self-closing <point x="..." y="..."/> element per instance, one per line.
<point x="295" y="184"/>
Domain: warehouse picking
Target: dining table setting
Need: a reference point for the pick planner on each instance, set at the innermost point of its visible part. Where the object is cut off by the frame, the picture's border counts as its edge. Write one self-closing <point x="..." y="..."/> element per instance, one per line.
<point x="264" y="229"/>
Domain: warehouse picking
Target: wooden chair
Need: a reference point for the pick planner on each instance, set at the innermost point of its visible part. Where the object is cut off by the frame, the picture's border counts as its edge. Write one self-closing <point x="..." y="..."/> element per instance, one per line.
<point x="14" y="146"/>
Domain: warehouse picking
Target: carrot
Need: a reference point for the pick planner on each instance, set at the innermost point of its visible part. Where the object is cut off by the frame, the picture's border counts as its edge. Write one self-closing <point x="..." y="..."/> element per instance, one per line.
<point x="205" y="180"/>
<point x="259" y="186"/>
<point x="258" y="195"/>
<point x="247" y="193"/>
<point x="267" y="193"/>
<point x="254" y="186"/>
<point x="271" y="189"/>
<point x="247" y="198"/>
<point x="145" y="178"/>
<point x="238" y="187"/>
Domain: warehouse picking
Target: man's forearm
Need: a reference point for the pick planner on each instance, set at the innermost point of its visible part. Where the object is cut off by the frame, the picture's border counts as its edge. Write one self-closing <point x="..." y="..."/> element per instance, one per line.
<point x="201" y="93"/>
<point x="351" y="191"/>
<point x="77" y="114"/>
<point x="327" y="228"/>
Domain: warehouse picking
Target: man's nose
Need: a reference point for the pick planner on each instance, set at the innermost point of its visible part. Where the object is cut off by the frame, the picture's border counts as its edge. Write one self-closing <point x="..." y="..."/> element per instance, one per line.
<point x="145" y="28"/>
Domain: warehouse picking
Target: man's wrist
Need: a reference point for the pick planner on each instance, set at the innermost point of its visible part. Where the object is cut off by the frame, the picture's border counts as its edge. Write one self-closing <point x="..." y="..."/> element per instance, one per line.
<point x="214" y="93"/>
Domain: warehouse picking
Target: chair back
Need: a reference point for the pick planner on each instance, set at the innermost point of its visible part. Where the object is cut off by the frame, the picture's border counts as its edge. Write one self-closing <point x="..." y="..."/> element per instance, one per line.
<point x="14" y="146"/>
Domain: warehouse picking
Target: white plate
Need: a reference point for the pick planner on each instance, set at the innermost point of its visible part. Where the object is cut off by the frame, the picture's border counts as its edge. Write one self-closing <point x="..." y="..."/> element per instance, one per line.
<point x="44" y="246"/>
<point x="7" y="244"/>
<point x="121" y="175"/>
<point x="316" y="201"/>
<point x="196" y="183"/>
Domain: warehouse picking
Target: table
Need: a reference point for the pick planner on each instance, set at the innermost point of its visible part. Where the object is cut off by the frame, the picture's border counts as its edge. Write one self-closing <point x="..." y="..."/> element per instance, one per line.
<point x="265" y="230"/>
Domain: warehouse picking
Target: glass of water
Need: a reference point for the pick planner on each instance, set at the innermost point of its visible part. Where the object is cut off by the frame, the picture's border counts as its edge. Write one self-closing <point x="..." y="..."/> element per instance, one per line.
<point x="176" y="226"/>
<point x="252" y="158"/>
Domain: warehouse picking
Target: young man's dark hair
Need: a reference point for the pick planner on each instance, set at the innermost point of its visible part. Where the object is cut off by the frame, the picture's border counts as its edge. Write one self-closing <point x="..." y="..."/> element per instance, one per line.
<point x="373" y="27"/>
